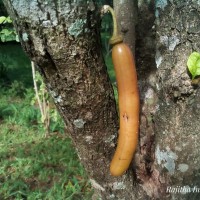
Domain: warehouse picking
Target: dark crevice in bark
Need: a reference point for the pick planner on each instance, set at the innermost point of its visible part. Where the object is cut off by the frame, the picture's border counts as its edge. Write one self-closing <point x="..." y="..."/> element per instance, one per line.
<point x="48" y="16"/>
<point x="40" y="6"/>
<point x="146" y="173"/>
<point x="51" y="62"/>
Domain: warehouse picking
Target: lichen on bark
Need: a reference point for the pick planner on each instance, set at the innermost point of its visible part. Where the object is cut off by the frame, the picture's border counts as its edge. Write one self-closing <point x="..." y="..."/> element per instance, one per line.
<point x="63" y="39"/>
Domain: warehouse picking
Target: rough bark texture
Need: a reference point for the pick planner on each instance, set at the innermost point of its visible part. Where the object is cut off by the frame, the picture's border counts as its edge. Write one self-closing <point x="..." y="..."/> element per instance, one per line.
<point x="126" y="16"/>
<point x="62" y="37"/>
<point x="169" y="156"/>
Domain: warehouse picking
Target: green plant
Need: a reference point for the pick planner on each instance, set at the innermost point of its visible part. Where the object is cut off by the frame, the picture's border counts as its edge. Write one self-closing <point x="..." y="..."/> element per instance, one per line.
<point x="49" y="115"/>
<point x="7" y="32"/>
<point x="4" y="20"/>
<point x="34" y="168"/>
<point x="4" y="79"/>
<point x="17" y="88"/>
<point x="193" y="64"/>
<point x="41" y="96"/>
<point x="15" y="113"/>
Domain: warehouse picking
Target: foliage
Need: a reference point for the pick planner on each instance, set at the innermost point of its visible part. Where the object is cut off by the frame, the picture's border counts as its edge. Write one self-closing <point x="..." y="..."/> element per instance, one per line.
<point x="105" y="36"/>
<point x="17" y="88"/>
<point x="7" y="32"/>
<point x="3" y="75"/>
<point x="193" y="64"/>
<point x="14" y="66"/>
<point x="50" y="119"/>
<point x="4" y="20"/>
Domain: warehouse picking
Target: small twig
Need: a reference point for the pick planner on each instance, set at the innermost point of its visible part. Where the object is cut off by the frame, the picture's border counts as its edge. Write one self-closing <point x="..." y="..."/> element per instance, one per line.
<point x="44" y="103"/>
<point x="36" y="89"/>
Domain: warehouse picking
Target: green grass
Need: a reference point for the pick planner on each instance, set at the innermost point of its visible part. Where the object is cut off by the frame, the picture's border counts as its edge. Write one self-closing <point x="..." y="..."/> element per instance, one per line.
<point x="32" y="166"/>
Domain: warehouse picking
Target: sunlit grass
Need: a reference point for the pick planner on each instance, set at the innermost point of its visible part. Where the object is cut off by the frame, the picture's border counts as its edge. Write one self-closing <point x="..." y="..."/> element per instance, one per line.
<point x="32" y="166"/>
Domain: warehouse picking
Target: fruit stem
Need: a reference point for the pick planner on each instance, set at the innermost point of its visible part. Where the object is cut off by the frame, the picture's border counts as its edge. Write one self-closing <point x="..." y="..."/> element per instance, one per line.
<point x="116" y="37"/>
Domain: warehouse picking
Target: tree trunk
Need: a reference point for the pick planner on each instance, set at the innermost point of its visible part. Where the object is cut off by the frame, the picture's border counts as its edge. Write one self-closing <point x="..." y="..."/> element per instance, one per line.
<point x="126" y="14"/>
<point x="62" y="38"/>
<point x="168" y="157"/>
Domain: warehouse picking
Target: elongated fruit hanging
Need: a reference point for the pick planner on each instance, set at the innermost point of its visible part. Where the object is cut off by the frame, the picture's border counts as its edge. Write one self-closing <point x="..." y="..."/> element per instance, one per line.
<point x="126" y="77"/>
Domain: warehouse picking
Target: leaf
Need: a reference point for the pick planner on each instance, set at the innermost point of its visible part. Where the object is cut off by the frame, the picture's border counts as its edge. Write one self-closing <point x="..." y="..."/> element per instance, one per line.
<point x="3" y="38"/>
<point x="17" y="38"/>
<point x="8" y="20"/>
<point x="2" y="19"/>
<point x="6" y="32"/>
<point x="193" y="64"/>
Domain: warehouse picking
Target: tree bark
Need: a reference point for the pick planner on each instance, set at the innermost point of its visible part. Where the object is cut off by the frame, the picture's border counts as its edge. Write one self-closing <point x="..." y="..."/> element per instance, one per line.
<point x="126" y="14"/>
<point x="167" y="33"/>
<point x="62" y="38"/>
